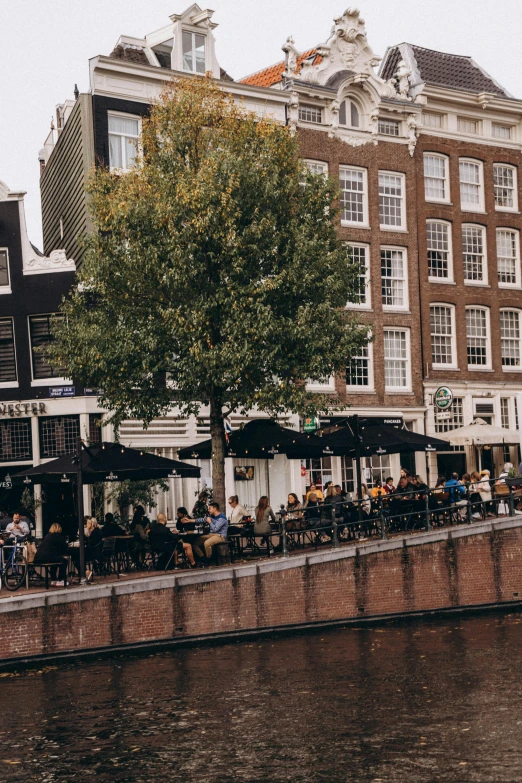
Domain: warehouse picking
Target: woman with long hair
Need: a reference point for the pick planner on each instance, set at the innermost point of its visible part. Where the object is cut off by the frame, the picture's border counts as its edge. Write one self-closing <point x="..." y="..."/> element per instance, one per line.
<point x="263" y="516"/>
<point x="294" y="513"/>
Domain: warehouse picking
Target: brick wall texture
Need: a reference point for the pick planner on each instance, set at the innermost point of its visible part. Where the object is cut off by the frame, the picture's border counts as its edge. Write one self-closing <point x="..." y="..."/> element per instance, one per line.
<point x="464" y="570"/>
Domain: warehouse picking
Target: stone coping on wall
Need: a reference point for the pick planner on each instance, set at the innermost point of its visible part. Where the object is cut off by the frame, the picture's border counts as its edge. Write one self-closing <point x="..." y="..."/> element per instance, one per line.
<point x="169" y="581"/>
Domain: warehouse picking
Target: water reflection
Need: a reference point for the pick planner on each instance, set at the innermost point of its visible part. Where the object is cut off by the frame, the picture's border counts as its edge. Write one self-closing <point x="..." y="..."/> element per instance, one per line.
<point x="416" y="703"/>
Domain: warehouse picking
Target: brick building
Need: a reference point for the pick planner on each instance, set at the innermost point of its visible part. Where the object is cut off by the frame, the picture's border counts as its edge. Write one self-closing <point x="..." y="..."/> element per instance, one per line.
<point x="403" y="144"/>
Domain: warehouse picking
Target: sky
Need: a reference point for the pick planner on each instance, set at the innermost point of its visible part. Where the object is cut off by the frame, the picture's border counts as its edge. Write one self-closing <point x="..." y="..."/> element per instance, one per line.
<point x="46" y="45"/>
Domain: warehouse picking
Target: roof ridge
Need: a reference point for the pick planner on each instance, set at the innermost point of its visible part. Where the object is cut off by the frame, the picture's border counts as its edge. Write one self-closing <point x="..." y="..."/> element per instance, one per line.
<point x="437" y="51"/>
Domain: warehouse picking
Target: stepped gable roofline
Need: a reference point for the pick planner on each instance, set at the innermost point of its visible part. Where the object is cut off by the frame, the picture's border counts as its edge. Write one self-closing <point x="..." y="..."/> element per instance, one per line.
<point x="268" y="77"/>
<point x="442" y="69"/>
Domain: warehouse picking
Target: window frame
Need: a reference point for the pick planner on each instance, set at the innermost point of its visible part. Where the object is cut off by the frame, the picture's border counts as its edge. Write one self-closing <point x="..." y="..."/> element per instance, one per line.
<point x="322" y="388"/>
<point x="193" y="34"/>
<point x="462" y="118"/>
<point x="347" y="101"/>
<point x="392" y="123"/>
<point x="508" y="367"/>
<point x="126" y="116"/>
<point x="453" y="365"/>
<point x="518" y="276"/>
<point x="445" y="180"/>
<point x="401" y="198"/>
<point x="312" y="162"/>
<point x="449" y="225"/>
<point x="6" y="289"/>
<point x="406" y="298"/>
<point x="365" y="221"/>
<point x="514" y="208"/>
<point x="367" y="304"/>
<point x="15" y="383"/>
<point x="370" y="388"/>
<point x="504" y="126"/>
<point x="49" y="380"/>
<point x="485" y="279"/>
<point x="408" y="387"/>
<point x="487" y="366"/>
<point x="438" y="115"/>
<point x="465" y="206"/>
<point x="311" y="107"/>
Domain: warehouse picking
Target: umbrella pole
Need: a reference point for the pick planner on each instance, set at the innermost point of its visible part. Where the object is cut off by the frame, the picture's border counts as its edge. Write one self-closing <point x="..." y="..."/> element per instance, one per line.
<point x="79" y="489"/>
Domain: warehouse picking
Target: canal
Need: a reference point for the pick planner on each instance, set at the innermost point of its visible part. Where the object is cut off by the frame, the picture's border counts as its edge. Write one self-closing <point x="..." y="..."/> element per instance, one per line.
<point x="419" y="702"/>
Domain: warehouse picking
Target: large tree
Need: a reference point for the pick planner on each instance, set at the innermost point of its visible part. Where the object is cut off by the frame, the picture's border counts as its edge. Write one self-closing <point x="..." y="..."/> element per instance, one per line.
<point x="214" y="275"/>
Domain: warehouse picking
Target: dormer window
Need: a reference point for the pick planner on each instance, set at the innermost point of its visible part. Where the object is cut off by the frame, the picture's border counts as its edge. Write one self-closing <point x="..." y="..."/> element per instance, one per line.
<point x="349" y="116"/>
<point x="194" y="59"/>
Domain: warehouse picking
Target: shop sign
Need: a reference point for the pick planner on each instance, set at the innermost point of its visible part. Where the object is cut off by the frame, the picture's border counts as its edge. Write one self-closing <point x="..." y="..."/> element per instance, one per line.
<point x="22" y="408"/>
<point x="62" y="391"/>
<point x="65" y="479"/>
<point x="6" y="483"/>
<point x="93" y="392"/>
<point x="111" y="477"/>
<point x="444" y="416"/>
<point x="310" y="424"/>
<point x="443" y="398"/>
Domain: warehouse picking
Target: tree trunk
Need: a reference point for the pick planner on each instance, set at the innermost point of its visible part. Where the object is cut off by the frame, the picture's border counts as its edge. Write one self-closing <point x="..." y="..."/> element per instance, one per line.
<point x="217" y="433"/>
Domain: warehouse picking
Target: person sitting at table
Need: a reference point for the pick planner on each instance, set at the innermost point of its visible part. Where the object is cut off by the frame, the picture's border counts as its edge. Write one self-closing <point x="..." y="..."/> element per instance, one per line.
<point x="313" y="490"/>
<point x="218" y="531"/>
<point x="263" y="516"/>
<point x="138" y="529"/>
<point x="484" y="489"/>
<point x="165" y="543"/>
<point x="389" y="486"/>
<point x="52" y="550"/>
<point x="93" y="540"/>
<point x="110" y="529"/>
<point x="312" y="506"/>
<point x="378" y="490"/>
<point x="294" y="512"/>
<point x="239" y="512"/>
<point x="17" y="530"/>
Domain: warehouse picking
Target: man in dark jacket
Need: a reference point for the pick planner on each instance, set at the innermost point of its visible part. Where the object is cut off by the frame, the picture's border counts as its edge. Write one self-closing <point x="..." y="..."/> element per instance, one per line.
<point x="110" y="529"/>
<point x="163" y="541"/>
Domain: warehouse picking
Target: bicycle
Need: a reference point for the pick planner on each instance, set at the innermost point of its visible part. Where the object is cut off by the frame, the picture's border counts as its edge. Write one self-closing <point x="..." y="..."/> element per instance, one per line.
<point x="13" y="566"/>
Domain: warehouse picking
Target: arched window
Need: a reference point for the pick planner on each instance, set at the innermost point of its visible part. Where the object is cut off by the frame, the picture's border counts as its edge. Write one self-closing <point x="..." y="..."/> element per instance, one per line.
<point x="349" y="115"/>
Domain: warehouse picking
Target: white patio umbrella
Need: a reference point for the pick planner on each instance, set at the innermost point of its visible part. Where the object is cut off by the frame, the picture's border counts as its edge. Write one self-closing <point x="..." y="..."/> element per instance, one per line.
<point x="479" y="433"/>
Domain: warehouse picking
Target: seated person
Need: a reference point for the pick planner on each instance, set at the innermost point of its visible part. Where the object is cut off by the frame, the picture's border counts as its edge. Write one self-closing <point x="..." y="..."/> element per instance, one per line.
<point x="52" y="550"/>
<point x="93" y="541"/>
<point x="18" y="529"/>
<point x="218" y="531"/>
<point x="239" y="512"/>
<point x="110" y="529"/>
<point x="183" y="523"/>
<point x="165" y="542"/>
<point x="378" y="490"/>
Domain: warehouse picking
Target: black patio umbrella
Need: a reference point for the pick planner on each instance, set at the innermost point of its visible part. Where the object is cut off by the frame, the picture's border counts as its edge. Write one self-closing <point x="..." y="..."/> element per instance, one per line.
<point x="260" y="439"/>
<point x="107" y="462"/>
<point x="382" y="439"/>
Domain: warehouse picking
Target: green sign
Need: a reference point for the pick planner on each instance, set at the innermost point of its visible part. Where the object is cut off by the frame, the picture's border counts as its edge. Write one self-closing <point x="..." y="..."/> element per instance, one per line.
<point x="311" y="424"/>
<point x="443" y="398"/>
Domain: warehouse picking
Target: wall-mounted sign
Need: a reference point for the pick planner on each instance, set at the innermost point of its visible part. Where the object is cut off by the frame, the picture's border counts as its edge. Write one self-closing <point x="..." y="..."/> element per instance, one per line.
<point x="244" y="473"/>
<point x="111" y="477"/>
<point x="62" y="391"/>
<point x="310" y="424"/>
<point x="22" y="408"/>
<point x="443" y="398"/>
<point x="65" y="479"/>
<point x="93" y="392"/>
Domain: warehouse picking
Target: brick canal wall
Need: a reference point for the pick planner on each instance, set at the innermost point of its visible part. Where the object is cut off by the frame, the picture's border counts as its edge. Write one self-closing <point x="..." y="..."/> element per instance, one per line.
<point x="463" y="567"/>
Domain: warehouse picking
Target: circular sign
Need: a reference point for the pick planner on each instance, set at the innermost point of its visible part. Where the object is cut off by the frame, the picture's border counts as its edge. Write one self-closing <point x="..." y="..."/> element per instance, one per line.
<point x="443" y="398"/>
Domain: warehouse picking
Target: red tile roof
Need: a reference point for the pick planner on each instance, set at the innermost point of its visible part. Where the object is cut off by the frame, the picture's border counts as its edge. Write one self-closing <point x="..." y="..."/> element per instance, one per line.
<point x="273" y="75"/>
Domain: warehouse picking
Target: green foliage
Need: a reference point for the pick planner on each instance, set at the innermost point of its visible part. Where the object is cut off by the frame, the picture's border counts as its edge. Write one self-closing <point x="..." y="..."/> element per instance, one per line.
<point x="133" y="493"/>
<point x="29" y="502"/>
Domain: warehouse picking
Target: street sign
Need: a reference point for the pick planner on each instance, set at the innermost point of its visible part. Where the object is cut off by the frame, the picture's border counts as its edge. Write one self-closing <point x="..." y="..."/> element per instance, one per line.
<point x="443" y="398"/>
<point x="62" y="391"/>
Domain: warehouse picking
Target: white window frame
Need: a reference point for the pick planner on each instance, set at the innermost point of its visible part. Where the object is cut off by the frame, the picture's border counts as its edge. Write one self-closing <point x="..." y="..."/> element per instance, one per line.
<point x="348" y="100"/>
<point x="445" y="179"/>
<point x="126" y="116"/>
<point x="512" y="368"/>
<point x="322" y="388"/>
<point x="453" y="365"/>
<point x="514" y="208"/>
<point x="6" y="289"/>
<point x="382" y="121"/>
<point x="408" y="387"/>
<point x="365" y="221"/>
<point x="462" y="119"/>
<point x="518" y="281"/>
<point x="12" y="384"/>
<point x="440" y="117"/>
<point x="449" y="226"/>
<point x="311" y="107"/>
<point x="193" y="33"/>
<point x="487" y="366"/>
<point x="312" y="163"/>
<point x="465" y="206"/>
<point x="401" y="198"/>
<point x="56" y="381"/>
<point x="501" y="126"/>
<point x="406" y="303"/>
<point x="484" y="281"/>
<point x="371" y="379"/>
<point x="367" y="305"/>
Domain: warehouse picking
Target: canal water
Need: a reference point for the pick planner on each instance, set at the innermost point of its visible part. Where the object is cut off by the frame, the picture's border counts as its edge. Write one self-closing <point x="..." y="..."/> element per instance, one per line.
<point x="421" y="702"/>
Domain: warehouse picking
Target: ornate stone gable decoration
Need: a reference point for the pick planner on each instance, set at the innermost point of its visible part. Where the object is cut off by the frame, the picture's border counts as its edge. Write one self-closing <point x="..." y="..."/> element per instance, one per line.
<point x="56" y="260"/>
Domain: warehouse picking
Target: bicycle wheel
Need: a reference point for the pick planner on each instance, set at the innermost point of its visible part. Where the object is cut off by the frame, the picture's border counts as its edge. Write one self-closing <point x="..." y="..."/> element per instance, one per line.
<point x="14" y="575"/>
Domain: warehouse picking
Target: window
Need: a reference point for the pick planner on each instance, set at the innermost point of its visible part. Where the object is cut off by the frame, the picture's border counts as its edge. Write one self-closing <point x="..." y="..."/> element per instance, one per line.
<point x="7" y="352"/>
<point x="349" y="115"/>
<point x="436" y="178"/>
<point x="360" y="256"/>
<point x="510" y="337"/>
<point x="504" y="413"/>
<point x="58" y="435"/>
<point x="394" y="278"/>
<point x="124" y="133"/>
<point x="40" y="333"/>
<point x="392" y="213"/>
<point x="456" y="419"/>
<point x="5" y="282"/>
<point x="354" y="196"/>
<point x="15" y="440"/>
<point x="505" y="184"/>
<point x="193" y="52"/>
<point x="95" y="429"/>
<point x="359" y="374"/>
<point x="318" y="471"/>
<point x="389" y="127"/>
<point x="438" y="237"/>
<point x="396" y="359"/>
<point x="474" y="254"/>
<point x="508" y="257"/>
<point x="477" y="337"/>
<point x="317" y="167"/>
<point x="310" y="114"/>
<point x="501" y="131"/>
<point x="432" y="120"/>
<point x="442" y="321"/>
<point x="471" y="185"/>
<point x="465" y="125"/>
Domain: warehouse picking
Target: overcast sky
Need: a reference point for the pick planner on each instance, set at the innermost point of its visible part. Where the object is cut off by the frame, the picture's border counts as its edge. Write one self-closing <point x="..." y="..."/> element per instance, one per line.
<point x="46" y="45"/>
